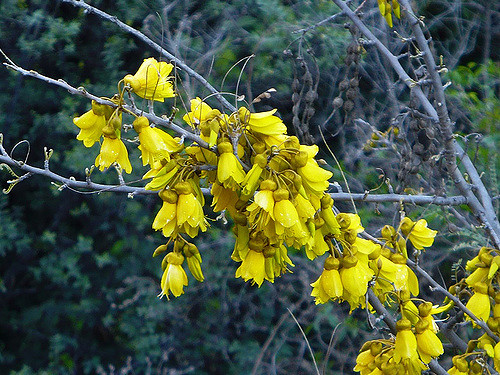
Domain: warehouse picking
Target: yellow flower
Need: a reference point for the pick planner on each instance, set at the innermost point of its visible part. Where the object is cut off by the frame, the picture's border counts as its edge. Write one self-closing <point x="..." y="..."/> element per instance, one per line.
<point x="253" y="267"/>
<point x="406" y="342"/>
<point x="328" y="216"/>
<point x="314" y="178"/>
<point x="190" y="215"/>
<point x="405" y="277"/>
<point x="152" y="80"/>
<point x="113" y="151"/>
<point x="329" y="285"/>
<point x="229" y="170"/>
<point x="460" y="366"/>
<point x="174" y="277"/>
<point x="316" y="245"/>
<point x="355" y="275"/>
<point x="155" y="144"/>
<point x="350" y="222"/>
<point x="166" y="218"/>
<point x="242" y="234"/>
<point x="285" y="212"/>
<point x="223" y="198"/>
<point x="193" y="258"/>
<point x="262" y="122"/>
<point x="418" y="233"/>
<point x="161" y="175"/>
<point x="91" y="124"/>
<point x="385" y="271"/>
<point x="428" y="344"/>
<point x="496" y="357"/>
<point x="251" y="180"/>
<point x="365" y="361"/>
<point x="479" y="275"/>
<point x="200" y="112"/>
<point x="479" y="304"/>
<point x="386" y="6"/>
<point x="486" y="343"/>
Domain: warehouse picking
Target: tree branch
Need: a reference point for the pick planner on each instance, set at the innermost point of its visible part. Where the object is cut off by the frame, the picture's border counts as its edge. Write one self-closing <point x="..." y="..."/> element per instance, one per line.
<point x="178" y="62"/>
<point x="440" y="116"/>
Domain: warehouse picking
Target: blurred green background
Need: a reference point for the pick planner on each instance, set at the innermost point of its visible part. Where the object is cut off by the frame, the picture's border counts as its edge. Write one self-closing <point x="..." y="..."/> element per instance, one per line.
<point x="78" y="286"/>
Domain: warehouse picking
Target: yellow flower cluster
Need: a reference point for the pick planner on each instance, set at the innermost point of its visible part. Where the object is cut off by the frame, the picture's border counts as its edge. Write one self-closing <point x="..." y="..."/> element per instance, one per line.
<point x="355" y="261"/>
<point x="414" y="346"/>
<point x="482" y="285"/>
<point x="152" y="81"/>
<point x="483" y="282"/>
<point x="275" y="192"/>
<point x="279" y="201"/>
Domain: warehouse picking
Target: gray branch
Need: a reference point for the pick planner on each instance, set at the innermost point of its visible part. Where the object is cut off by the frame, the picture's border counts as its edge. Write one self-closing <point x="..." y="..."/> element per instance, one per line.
<point x="483" y="212"/>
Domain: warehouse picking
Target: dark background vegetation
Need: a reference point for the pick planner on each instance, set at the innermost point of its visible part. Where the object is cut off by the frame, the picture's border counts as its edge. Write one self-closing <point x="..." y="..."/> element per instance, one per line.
<point x="78" y="286"/>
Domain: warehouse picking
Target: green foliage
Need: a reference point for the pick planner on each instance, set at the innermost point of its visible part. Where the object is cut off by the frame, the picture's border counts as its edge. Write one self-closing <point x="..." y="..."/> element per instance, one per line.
<point x="78" y="286"/>
<point x="476" y="87"/>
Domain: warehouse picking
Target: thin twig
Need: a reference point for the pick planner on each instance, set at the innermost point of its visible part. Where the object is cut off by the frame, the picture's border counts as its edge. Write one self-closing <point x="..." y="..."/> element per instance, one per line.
<point x="307" y="341"/>
<point x="318" y="24"/>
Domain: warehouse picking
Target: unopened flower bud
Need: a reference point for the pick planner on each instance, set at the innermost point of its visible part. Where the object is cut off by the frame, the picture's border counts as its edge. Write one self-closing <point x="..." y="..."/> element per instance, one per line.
<point x="240" y="218"/>
<point x="268" y="185"/>
<point x="259" y="147"/>
<point x="139" y="123"/>
<point x="168" y="196"/>
<point x="375" y="348"/>
<point x="349" y="261"/>
<point x="183" y="187"/>
<point x="98" y="109"/>
<point x="326" y="202"/>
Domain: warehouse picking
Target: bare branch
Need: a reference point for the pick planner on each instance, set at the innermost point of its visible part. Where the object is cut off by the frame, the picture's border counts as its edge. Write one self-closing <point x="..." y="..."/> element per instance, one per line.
<point x="440" y="116"/>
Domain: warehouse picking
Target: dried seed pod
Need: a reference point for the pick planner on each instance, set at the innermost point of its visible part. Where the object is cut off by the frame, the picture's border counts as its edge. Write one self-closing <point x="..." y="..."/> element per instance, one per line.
<point x="413" y="124"/>
<point x="310" y="112"/>
<point x="354" y="82"/>
<point x="338" y="102"/>
<point x="295" y="85"/>
<point x="348" y="105"/>
<point x="311" y="96"/>
<point x="343" y="85"/>
<point x="351" y="94"/>
<point x="418" y="148"/>
<point x="307" y="78"/>
<point x="349" y="59"/>
<point x="431" y="133"/>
